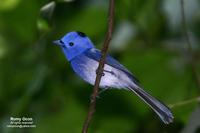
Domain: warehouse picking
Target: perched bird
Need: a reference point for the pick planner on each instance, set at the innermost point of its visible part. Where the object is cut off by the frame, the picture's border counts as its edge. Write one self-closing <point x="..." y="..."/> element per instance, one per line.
<point x="84" y="59"/>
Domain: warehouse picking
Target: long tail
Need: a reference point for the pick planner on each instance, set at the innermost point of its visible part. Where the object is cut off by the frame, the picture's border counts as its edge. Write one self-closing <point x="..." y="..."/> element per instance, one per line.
<point x="160" y="109"/>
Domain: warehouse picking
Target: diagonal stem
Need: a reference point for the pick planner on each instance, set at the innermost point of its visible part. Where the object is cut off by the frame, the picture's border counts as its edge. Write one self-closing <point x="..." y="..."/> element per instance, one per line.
<point x="104" y="52"/>
<point x="184" y="103"/>
<point x="189" y="46"/>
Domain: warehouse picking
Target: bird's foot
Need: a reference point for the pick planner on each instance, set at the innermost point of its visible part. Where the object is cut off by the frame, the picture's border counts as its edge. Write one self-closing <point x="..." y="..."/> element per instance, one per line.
<point x="98" y="72"/>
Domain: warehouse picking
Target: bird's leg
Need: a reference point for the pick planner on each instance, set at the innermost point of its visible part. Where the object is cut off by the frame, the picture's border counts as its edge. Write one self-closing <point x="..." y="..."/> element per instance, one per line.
<point x="107" y="71"/>
<point x="103" y="74"/>
<point x="111" y="72"/>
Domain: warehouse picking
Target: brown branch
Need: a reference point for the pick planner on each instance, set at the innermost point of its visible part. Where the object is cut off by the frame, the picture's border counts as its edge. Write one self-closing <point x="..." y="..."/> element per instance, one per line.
<point x="189" y="47"/>
<point x="104" y="52"/>
<point x="186" y="102"/>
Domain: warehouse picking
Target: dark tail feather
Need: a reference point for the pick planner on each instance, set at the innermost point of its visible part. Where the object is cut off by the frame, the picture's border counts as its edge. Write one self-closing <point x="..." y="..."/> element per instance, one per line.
<point x="161" y="110"/>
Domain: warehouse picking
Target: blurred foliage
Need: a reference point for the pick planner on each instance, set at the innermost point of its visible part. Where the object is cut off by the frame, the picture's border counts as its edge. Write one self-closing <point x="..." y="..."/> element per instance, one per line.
<point x="36" y="80"/>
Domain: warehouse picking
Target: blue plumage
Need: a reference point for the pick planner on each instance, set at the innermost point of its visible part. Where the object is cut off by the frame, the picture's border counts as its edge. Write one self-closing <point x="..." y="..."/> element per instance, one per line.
<point x="84" y="59"/>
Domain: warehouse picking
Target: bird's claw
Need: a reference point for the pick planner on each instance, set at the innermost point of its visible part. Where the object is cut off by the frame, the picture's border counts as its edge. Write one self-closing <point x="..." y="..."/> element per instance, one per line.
<point x="102" y="74"/>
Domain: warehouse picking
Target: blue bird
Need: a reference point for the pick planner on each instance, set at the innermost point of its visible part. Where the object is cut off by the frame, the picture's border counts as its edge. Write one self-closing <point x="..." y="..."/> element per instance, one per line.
<point x="84" y="57"/>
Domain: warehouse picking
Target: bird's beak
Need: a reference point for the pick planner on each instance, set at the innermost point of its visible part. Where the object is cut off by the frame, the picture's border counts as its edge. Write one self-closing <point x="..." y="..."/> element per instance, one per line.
<point x="57" y="42"/>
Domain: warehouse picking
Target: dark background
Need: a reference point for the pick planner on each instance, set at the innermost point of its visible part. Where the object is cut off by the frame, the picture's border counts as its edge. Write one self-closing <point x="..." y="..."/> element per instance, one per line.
<point x="36" y="80"/>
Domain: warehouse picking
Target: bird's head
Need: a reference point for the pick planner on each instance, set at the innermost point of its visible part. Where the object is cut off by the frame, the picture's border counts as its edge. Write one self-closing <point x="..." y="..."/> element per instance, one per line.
<point x="73" y="44"/>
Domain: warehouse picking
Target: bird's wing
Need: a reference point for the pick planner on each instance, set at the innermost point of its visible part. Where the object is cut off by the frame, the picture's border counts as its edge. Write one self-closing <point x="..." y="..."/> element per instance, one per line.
<point x="95" y="54"/>
<point x="161" y="110"/>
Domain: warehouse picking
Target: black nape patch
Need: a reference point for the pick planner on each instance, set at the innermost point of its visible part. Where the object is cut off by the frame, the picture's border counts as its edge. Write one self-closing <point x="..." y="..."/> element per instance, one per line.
<point x="81" y="34"/>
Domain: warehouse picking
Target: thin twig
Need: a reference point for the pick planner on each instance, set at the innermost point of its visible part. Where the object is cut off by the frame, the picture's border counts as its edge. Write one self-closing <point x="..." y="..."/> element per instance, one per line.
<point x="189" y="46"/>
<point x="100" y="68"/>
<point x="182" y="103"/>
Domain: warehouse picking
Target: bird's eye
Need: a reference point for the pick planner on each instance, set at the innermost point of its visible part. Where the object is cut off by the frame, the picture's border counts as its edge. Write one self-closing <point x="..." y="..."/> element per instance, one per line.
<point x="71" y="44"/>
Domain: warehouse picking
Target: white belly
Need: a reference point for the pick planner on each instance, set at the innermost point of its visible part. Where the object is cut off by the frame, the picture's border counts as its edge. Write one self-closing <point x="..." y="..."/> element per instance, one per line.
<point x="111" y="78"/>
